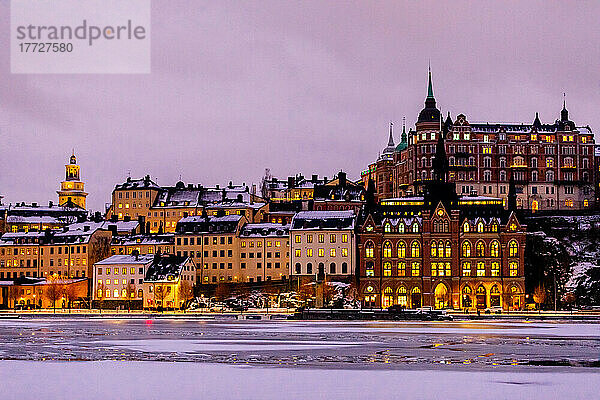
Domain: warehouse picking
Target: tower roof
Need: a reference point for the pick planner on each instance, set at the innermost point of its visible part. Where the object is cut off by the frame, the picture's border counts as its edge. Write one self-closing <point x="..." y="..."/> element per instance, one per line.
<point x="430" y="113"/>
<point x="390" y="146"/>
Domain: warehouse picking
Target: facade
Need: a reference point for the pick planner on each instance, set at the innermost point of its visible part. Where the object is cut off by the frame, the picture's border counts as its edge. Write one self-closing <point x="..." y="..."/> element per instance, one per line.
<point x="70" y="253"/>
<point x="295" y="188"/>
<point x="169" y="282"/>
<point x="339" y="194"/>
<point x="120" y="278"/>
<point x="264" y="251"/>
<point x="441" y="250"/>
<point x="71" y="189"/>
<point x="552" y="163"/>
<point x="162" y="207"/>
<point x="143" y="244"/>
<point x="322" y="245"/>
<point x="52" y="292"/>
<point x="22" y="217"/>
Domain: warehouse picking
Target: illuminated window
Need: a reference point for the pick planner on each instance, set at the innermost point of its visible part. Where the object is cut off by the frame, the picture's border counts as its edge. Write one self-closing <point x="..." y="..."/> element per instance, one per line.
<point x="309" y="239"/>
<point x="448" y="249"/>
<point x="387" y="249"/>
<point x="344" y="238"/>
<point x="401" y="249"/>
<point x="480" y="227"/>
<point x="513" y="268"/>
<point x="116" y="293"/>
<point x="480" y="269"/>
<point x="387" y="269"/>
<point x="321" y="238"/>
<point x="466" y="249"/>
<point x="495" y="269"/>
<point x="401" y="227"/>
<point x="332" y="252"/>
<point x="415" y="269"/>
<point x="495" y="249"/>
<point x="415" y="227"/>
<point x="480" y="249"/>
<point x="434" y="249"/>
<point x="369" y="249"/>
<point x="99" y="293"/>
<point x="466" y="269"/>
<point x="309" y="252"/>
<point x="513" y="248"/>
<point x="415" y="249"/>
<point x="401" y="268"/>
<point x="466" y="227"/>
<point x="387" y="227"/>
<point x="298" y="253"/>
<point x="344" y="252"/>
<point x="321" y="252"/>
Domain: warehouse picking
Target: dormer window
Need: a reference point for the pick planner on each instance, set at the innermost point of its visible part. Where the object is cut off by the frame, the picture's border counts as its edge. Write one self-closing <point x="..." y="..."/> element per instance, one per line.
<point x="466" y="227"/>
<point x="387" y="228"/>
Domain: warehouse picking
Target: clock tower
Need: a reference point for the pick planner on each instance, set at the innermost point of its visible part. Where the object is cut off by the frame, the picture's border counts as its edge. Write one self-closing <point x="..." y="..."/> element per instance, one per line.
<point x="71" y="191"/>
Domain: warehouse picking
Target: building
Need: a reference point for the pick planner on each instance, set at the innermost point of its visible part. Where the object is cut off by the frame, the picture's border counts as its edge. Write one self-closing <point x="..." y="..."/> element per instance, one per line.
<point x="552" y="163"/>
<point x="322" y="245"/>
<point x="162" y="207"/>
<point x="71" y="189"/>
<point x="169" y="282"/>
<point x="339" y="194"/>
<point x="52" y="292"/>
<point x="440" y="249"/>
<point x="22" y="217"/>
<point x="143" y="244"/>
<point x="264" y="252"/>
<point x="212" y="243"/>
<point x="118" y="280"/>
<point x="69" y="253"/>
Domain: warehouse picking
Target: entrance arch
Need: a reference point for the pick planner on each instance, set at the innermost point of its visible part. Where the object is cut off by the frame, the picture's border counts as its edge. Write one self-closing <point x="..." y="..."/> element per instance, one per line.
<point x="442" y="296"/>
<point x="481" y="295"/>
<point x="534" y="206"/>
<point x="415" y="297"/>
<point x="495" y="296"/>
<point x="467" y="301"/>
<point x="388" y="297"/>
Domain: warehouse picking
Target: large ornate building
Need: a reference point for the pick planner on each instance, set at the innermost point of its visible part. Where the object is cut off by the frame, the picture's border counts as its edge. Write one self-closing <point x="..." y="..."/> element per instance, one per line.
<point x="439" y="249"/>
<point x="552" y="163"/>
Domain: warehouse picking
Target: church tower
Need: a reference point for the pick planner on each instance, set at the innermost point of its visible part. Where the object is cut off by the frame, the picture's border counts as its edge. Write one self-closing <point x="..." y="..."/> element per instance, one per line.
<point x="71" y="192"/>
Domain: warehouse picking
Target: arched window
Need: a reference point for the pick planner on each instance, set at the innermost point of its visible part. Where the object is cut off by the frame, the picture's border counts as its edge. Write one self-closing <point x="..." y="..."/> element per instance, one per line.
<point x="415" y="249"/>
<point x="480" y="227"/>
<point x="387" y="249"/>
<point x="466" y="268"/>
<point x="401" y="268"/>
<point x="480" y="249"/>
<point x="549" y="176"/>
<point x="332" y="268"/>
<point x="466" y="249"/>
<point x="388" y="297"/>
<point x="298" y="268"/>
<point x="415" y="227"/>
<point x="495" y="269"/>
<point x="369" y="249"/>
<point x="466" y="227"/>
<point x="513" y="248"/>
<point x="140" y="293"/>
<point x="401" y="227"/>
<point x="387" y="227"/>
<point x="513" y="268"/>
<point x="494" y="226"/>
<point x="401" y="249"/>
<point x="402" y="296"/>
<point x="387" y="269"/>
<point x="434" y="249"/>
<point x="448" y="249"/>
<point x="495" y="249"/>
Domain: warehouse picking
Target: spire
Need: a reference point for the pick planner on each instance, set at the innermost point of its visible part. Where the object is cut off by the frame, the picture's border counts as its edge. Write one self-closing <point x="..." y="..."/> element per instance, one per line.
<point x="564" y="114"/>
<point x="430" y="85"/>
<point x="536" y="122"/>
<point x="391" y="139"/>
<point x="404" y="137"/>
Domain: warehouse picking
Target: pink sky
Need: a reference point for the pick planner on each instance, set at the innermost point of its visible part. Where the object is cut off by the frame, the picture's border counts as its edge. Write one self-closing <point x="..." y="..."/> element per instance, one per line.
<point x="237" y="87"/>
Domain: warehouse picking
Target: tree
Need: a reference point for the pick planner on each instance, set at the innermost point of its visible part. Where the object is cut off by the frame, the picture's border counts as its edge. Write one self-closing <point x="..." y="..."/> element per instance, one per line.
<point x="186" y="292"/>
<point x="13" y="294"/>
<point x="306" y="293"/>
<point x="161" y="292"/>
<point x="539" y="296"/>
<point x="54" y="289"/>
<point x="70" y="292"/>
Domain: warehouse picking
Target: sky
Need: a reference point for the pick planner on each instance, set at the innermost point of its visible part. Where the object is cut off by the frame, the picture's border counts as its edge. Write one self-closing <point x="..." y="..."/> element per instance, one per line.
<point x="298" y="87"/>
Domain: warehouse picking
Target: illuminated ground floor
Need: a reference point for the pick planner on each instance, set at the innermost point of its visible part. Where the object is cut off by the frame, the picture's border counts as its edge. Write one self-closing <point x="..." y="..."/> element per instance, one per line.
<point x="450" y="293"/>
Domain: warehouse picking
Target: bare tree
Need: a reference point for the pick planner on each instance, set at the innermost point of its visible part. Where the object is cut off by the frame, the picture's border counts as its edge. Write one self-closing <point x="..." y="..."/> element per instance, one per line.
<point x="13" y="294"/>
<point x="54" y="289"/>
<point x="186" y="292"/>
<point x="161" y="292"/>
<point x="70" y="292"/>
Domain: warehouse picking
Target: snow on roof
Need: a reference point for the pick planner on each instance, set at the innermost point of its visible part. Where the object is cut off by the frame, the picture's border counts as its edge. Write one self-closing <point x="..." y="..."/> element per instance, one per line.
<point x="165" y="269"/>
<point x="143" y="183"/>
<point x="44" y="219"/>
<point x="264" y="229"/>
<point x="127" y="259"/>
<point x="130" y="240"/>
<point x="324" y="220"/>
<point x="211" y="219"/>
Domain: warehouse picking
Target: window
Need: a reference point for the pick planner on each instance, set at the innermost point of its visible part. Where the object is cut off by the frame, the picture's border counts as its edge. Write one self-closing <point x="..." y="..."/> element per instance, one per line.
<point x="387" y="269"/>
<point x="332" y="252"/>
<point x="480" y="249"/>
<point x="321" y="238"/>
<point x="345" y="238"/>
<point x="309" y="252"/>
<point x="369" y="249"/>
<point x="332" y="268"/>
<point x="401" y="249"/>
<point x="495" y="249"/>
<point x="415" y="227"/>
<point x="401" y="268"/>
<point x="448" y="249"/>
<point x="415" y="269"/>
<point x="466" y="269"/>
<point x="480" y="227"/>
<point x="321" y="252"/>
<point x="370" y="269"/>
<point x="513" y="248"/>
<point x="434" y="249"/>
<point x="415" y="249"/>
<point x="387" y="227"/>
<point x="298" y="253"/>
<point x="387" y="249"/>
<point x="480" y="269"/>
<point x="495" y="269"/>
<point x="466" y="227"/>
<point x="466" y="249"/>
<point x="513" y="268"/>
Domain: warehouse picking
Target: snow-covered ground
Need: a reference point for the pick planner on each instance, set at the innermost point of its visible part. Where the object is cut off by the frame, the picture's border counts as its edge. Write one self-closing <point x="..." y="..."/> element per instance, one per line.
<point x="101" y="380"/>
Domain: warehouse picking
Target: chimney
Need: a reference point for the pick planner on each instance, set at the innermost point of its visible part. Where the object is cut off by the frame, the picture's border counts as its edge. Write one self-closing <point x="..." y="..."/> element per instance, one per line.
<point x="217" y="187"/>
<point x="223" y="195"/>
<point x="33" y="204"/>
<point x="50" y="204"/>
<point x="342" y="178"/>
<point x="190" y="185"/>
<point x="136" y="254"/>
<point x="291" y="182"/>
<point x="128" y="179"/>
<point x="127" y="218"/>
<point x="113" y="229"/>
<point x="314" y="178"/>
<point x="114" y="218"/>
<point x="142" y="222"/>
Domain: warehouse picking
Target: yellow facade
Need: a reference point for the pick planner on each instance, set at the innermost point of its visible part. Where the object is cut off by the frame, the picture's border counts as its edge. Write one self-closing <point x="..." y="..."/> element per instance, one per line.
<point x="71" y="189"/>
